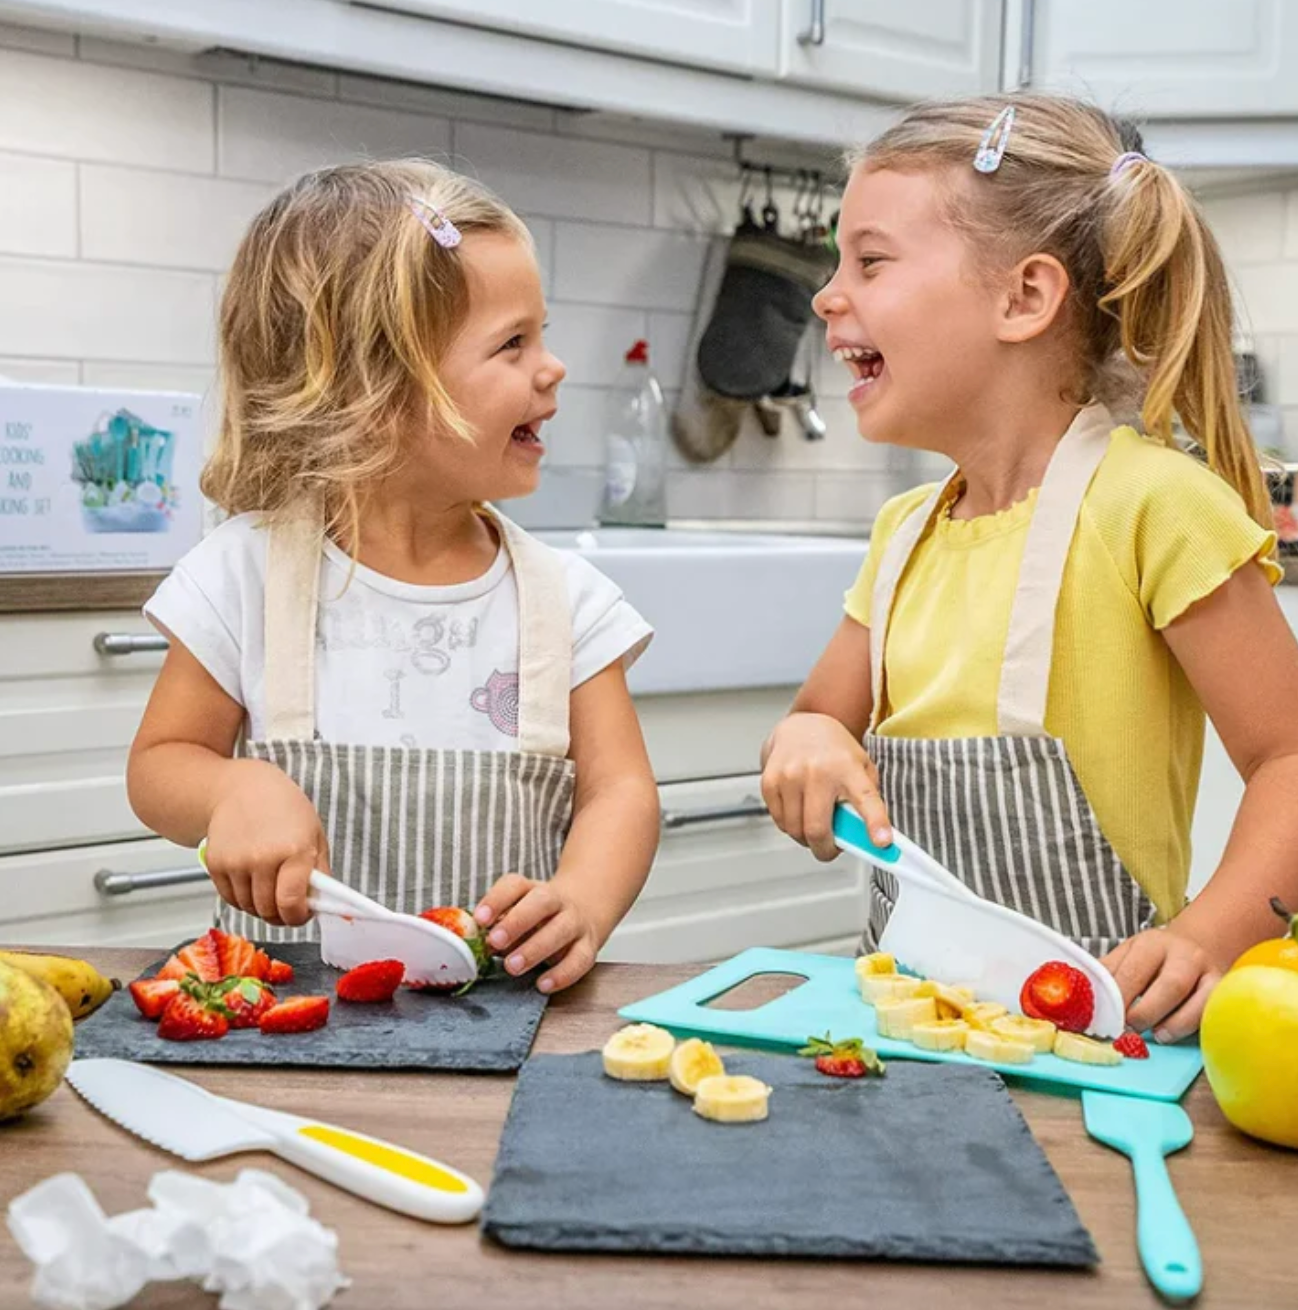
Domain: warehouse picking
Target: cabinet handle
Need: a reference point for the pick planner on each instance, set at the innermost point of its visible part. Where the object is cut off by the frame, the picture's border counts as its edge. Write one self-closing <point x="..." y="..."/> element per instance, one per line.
<point x="130" y="643"/>
<point x="815" y="34"/>
<point x="109" y="883"/>
<point x="749" y="808"/>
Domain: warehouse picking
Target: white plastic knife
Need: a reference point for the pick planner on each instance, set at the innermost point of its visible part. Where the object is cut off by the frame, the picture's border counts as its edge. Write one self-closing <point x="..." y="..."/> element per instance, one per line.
<point x="942" y="929"/>
<point x="194" y="1124"/>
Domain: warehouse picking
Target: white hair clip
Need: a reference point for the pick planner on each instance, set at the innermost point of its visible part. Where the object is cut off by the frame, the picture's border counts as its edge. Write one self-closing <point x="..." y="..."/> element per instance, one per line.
<point x="435" y="223"/>
<point x="991" y="149"/>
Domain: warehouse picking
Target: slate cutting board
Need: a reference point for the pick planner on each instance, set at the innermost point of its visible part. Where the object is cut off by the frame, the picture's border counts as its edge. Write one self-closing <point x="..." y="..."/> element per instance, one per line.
<point x="930" y="1162"/>
<point x="489" y="1029"/>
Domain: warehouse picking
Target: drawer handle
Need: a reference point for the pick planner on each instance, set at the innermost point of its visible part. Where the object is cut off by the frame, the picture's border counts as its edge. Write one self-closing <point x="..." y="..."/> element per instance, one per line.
<point x="130" y="643"/>
<point x="118" y="884"/>
<point x="815" y="34"/>
<point x="749" y="808"/>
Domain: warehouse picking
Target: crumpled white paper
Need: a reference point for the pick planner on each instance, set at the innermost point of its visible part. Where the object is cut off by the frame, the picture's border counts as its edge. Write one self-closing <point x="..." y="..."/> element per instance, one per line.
<point x="251" y="1240"/>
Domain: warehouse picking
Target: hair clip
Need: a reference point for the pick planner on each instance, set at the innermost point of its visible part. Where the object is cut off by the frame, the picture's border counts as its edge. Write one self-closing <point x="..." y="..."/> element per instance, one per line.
<point x="991" y="149"/>
<point x="435" y="223"/>
<point x="1124" y="161"/>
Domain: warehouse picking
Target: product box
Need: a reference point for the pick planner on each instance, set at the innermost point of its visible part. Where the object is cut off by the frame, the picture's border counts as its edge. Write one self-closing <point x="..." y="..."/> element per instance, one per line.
<point x="93" y="480"/>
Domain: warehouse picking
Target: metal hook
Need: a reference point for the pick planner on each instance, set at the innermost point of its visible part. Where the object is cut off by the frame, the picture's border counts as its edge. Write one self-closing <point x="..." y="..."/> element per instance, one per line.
<point x="770" y="214"/>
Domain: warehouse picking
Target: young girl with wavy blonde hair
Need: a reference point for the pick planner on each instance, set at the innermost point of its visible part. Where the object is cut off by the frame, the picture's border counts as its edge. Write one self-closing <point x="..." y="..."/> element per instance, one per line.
<point x="372" y="672"/>
<point x="1021" y="675"/>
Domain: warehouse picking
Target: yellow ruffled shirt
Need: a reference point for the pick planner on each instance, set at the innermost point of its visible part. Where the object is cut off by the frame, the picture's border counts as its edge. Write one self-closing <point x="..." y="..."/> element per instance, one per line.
<point x="1158" y="531"/>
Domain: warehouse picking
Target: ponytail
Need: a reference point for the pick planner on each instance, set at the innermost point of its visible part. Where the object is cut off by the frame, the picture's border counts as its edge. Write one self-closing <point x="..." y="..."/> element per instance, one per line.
<point x="1169" y="294"/>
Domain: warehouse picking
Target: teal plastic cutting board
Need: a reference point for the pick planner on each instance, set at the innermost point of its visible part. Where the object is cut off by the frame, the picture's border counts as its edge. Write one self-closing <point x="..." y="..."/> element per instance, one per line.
<point x="830" y="1001"/>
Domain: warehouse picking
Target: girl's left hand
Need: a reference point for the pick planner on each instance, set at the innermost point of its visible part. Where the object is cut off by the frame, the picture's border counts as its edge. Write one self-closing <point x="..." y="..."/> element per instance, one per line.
<point x="1165" y="978"/>
<point x="535" y="922"/>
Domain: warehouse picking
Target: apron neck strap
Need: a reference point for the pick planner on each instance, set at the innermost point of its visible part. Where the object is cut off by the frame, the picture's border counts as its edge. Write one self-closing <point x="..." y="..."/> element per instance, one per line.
<point x="1029" y="646"/>
<point x="293" y="556"/>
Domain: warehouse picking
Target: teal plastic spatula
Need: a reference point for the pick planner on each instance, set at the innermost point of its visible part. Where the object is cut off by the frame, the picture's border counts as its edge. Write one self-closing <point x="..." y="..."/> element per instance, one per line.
<point x="1146" y="1131"/>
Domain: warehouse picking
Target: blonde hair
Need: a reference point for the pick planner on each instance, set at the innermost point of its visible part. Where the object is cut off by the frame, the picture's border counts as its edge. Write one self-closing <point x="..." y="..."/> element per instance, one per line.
<point x="1149" y="296"/>
<point x="337" y="311"/>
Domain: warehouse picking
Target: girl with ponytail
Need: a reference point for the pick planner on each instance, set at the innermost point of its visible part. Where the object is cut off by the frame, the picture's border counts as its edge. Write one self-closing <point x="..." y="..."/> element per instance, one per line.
<point x="1022" y="673"/>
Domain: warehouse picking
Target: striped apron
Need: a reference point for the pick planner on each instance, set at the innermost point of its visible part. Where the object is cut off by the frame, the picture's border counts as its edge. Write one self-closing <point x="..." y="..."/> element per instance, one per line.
<point x="1007" y="814"/>
<point x="409" y="827"/>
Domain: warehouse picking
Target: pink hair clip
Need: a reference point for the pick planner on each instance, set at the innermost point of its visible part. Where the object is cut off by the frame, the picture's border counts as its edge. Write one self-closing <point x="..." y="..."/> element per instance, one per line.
<point x="435" y="223"/>
<point x="1125" y="161"/>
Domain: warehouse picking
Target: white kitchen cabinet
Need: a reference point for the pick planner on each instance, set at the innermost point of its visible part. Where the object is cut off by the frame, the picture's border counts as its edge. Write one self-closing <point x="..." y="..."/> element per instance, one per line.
<point x="1171" y="58"/>
<point x="890" y="51"/>
<point x="741" y="35"/>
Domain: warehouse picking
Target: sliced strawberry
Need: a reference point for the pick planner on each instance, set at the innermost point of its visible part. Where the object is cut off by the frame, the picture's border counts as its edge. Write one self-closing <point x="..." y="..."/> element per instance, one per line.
<point x="277" y="971"/>
<point x="375" y="980"/>
<point x="236" y="955"/>
<point x="1132" y="1045"/>
<point x="203" y="957"/>
<point x="849" y="1059"/>
<point x="173" y="969"/>
<point x="299" y="1014"/>
<point x="1061" y="993"/>
<point x="188" y="1019"/>
<point x="245" y="1000"/>
<point x="152" y="994"/>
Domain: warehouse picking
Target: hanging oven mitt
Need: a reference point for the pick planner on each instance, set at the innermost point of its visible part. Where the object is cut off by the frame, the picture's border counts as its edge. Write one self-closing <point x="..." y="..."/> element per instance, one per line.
<point x="761" y="312"/>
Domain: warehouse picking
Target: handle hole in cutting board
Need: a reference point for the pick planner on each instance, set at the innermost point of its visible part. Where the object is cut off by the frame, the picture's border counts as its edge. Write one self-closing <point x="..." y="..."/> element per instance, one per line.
<point x="751" y="994"/>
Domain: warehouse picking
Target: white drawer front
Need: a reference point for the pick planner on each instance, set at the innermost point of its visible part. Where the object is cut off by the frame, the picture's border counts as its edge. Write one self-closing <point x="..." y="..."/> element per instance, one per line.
<point x="67" y="717"/>
<point x="720" y="885"/>
<point x="50" y="898"/>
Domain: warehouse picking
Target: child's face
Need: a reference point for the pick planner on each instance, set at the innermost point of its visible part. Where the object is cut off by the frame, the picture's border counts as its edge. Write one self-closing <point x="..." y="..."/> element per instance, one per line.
<point x="499" y="374"/>
<point x="908" y="306"/>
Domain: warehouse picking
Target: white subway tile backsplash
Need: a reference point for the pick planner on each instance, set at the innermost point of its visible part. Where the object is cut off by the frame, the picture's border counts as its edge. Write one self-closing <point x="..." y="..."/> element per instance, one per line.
<point x="555" y="176"/>
<point x="669" y="348"/>
<point x="52" y="372"/>
<point x="575" y="436"/>
<point x="1283" y="383"/>
<point x="212" y="65"/>
<point x="460" y="105"/>
<point x="851" y="498"/>
<point x="727" y="494"/>
<point x="310" y="133"/>
<point x="592" y="340"/>
<point x="702" y="195"/>
<point x="596" y="126"/>
<point x="627" y="266"/>
<point x="100" y="312"/>
<point x="1269" y="296"/>
<point x="74" y="110"/>
<point x="134" y="216"/>
<point x="38" y="206"/>
<point x="1291" y="225"/>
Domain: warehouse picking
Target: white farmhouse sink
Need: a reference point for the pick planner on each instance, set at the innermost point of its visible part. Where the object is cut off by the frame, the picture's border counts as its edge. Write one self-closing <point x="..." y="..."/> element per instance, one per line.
<point x="730" y="609"/>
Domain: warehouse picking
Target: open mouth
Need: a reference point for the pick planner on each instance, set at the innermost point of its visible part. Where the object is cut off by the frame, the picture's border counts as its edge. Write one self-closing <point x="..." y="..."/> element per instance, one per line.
<point x="527" y="435"/>
<point x="865" y="364"/>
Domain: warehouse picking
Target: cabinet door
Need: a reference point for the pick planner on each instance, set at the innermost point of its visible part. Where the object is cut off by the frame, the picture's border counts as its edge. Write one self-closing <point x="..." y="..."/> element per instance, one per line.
<point x="894" y="52"/>
<point x="735" y="34"/>
<point x="1171" y="58"/>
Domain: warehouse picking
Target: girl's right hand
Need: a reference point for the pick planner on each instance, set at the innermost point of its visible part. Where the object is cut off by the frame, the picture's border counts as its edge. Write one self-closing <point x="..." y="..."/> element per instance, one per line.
<point x="263" y="840"/>
<point x="812" y="763"/>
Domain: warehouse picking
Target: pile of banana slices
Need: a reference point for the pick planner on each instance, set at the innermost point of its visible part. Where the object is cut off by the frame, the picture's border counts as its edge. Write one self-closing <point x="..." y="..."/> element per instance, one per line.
<point x="936" y="1017"/>
<point x="642" y="1053"/>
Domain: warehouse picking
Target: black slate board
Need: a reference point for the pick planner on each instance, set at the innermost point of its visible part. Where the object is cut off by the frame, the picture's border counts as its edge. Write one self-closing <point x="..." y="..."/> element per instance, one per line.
<point x="488" y="1030"/>
<point x="932" y="1162"/>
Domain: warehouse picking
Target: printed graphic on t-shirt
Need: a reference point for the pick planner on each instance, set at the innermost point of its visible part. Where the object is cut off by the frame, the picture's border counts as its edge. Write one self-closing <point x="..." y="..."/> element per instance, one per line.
<point x="429" y="641"/>
<point x="498" y="700"/>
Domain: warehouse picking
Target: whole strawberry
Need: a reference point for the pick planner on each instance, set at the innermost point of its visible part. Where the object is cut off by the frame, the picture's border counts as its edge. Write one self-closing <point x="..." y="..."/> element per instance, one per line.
<point x="848" y="1059"/>
<point x="375" y="980"/>
<point x="1061" y="993"/>
<point x="1132" y="1045"/>
<point x="465" y="927"/>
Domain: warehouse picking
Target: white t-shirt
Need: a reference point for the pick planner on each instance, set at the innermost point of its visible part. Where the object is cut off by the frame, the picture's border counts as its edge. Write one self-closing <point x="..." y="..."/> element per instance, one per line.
<point x="396" y="664"/>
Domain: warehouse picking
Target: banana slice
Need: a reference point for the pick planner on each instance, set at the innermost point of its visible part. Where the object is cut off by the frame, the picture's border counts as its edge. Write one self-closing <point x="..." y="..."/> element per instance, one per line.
<point x="984" y="1045"/>
<point x="982" y="1014"/>
<point x="877" y="962"/>
<point x="940" y="1035"/>
<point x="1085" y="1050"/>
<point x="693" y="1061"/>
<point x="732" y="1099"/>
<point x="639" y="1053"/>
<point x="876" y="987"/>
<point x="898" y="1018"/>
<point x="1038" y="1033"/>
<point x="952" y="1001"/>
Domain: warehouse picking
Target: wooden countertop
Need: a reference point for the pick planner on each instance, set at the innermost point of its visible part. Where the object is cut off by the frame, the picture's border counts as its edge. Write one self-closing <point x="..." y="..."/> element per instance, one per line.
<point x="1241" y="1197"/>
